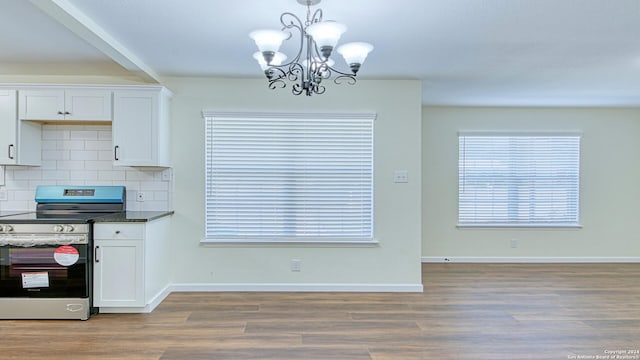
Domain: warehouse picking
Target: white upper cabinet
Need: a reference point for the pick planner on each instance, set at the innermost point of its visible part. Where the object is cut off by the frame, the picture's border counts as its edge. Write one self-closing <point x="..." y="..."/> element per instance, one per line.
<point x="138" y="114"/>
<point x="8" y="124"/>
<point x="19" y="142"/>
<point x="65" y="104"/>
<point x="141" y="127"/>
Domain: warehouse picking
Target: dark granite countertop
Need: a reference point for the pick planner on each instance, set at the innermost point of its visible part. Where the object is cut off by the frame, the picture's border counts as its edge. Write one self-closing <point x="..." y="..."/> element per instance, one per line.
<point x="133" y="216"/>
<point x="9" y="213"/>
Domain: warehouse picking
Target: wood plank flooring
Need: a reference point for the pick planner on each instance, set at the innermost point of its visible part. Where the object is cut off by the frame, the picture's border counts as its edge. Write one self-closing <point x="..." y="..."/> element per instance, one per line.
<point x="467" y="311"/>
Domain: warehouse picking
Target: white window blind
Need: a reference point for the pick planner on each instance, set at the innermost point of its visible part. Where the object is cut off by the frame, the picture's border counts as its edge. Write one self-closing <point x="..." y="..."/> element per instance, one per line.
<point x="289" y="177"/>
<point x="518" y="180"/>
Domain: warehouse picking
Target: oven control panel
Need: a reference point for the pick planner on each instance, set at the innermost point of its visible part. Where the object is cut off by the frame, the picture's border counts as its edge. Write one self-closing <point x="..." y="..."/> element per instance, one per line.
<point x="19" y="228"/>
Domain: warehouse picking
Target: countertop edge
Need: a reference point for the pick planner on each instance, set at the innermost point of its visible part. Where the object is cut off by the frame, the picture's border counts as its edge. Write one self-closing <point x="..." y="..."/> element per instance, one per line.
<point x="134" y="216"/>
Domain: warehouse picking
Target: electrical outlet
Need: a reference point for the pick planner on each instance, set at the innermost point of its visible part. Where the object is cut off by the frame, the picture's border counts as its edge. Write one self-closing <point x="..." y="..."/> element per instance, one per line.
<point x="296" y="265"/>
<point x="166" y="175"/>
<point x="140" y="196"/>
<point x="401" y="176"/>
<point x="514" y="243"/>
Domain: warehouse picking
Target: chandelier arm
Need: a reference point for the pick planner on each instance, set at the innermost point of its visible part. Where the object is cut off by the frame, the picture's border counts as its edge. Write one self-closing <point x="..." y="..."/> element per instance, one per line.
<point x="294" y="22"/>
<point x="296" y="72"/>
<point x="325" y="65"/>
<point x="291" y="21"/>
<point x="297" y="89"/>
<point x="317" y="17"/>
<point x="276" y="78"/>
<point x="276" y="73"/>
<point x="348" y="78"/>
<point x="334" y="70"/>
<point x="277" y="83"/>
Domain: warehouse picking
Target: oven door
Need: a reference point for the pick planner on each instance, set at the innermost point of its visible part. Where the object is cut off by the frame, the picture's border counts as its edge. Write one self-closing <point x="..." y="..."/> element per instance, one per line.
<point x="34" y="269"/>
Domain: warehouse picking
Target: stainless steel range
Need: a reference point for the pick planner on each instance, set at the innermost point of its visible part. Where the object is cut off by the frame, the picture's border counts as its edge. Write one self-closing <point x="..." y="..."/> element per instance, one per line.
<point x="46" y="262"/>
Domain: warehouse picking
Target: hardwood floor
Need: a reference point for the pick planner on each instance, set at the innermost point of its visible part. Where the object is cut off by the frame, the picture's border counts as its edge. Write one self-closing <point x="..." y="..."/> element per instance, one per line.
<point x="467" y="311"/>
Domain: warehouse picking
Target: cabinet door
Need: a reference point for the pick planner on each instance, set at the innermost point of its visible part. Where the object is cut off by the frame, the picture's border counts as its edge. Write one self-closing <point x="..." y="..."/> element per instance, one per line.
<point x="118" y="273"/>
<point x="92" y="105"/>
<point x="8" y="122"/>
<point x="41" y="105"/>
<point x="135" y="133"/>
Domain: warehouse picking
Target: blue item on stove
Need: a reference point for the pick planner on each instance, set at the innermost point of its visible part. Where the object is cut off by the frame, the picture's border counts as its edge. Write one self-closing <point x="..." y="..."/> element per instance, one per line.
<point x="46" y="194"/>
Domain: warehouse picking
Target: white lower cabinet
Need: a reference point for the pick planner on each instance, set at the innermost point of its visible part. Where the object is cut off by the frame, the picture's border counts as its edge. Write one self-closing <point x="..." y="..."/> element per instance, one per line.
<point x="118" y="273"/>
<point x="130" y="271"/>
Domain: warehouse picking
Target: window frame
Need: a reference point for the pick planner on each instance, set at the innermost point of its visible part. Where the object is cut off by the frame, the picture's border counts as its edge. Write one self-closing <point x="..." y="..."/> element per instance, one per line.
<point x="289" y="241"/>
<point x="515" y="224"/>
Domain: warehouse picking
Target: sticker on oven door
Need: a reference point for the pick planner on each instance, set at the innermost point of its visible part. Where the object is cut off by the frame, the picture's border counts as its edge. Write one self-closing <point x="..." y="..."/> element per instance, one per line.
<point x="35" y="280"/>
<point x="66" y="255"/>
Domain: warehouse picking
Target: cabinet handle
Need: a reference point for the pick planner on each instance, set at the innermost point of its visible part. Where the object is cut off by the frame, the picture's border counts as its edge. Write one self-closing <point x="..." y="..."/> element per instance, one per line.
<point x="95" y="254"/>
<point x="11" y="152"/>
<point x="60" y="113"/>
<point x="117" y="231"/>
<point x="67" y="113"/>
<point x="115" y="153"/>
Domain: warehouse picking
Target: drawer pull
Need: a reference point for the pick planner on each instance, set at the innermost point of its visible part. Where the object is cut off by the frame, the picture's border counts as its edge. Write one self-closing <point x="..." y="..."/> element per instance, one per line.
<point x="117" y="231"/>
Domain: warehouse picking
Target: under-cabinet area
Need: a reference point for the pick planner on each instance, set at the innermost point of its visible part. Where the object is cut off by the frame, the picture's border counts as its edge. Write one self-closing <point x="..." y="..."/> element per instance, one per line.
<point x="139" y="116"/>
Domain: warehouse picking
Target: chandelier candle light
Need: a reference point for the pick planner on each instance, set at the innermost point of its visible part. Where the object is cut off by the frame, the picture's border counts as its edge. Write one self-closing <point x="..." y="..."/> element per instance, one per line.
<point x="317" y="41"/>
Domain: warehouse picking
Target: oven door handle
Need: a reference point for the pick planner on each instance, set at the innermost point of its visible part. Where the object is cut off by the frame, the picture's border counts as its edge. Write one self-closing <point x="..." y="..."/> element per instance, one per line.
<point x="31" y="240"/>
<point x="95" y="254"/>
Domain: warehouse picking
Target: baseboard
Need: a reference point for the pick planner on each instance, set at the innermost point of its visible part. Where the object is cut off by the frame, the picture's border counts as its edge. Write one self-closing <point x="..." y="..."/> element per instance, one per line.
<point x="529" y="259"/>
<point x="155" y="301"/>
<point x="297" y="287"/>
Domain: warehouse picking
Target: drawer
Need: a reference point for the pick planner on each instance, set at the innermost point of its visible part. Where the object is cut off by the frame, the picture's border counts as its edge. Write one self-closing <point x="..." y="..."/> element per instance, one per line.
<point x="105" y="231"/>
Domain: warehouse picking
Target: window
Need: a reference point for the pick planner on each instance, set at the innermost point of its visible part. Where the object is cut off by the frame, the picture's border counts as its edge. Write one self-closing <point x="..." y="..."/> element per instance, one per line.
<point x="518" y="180"/>
<point x="289" y="177"/>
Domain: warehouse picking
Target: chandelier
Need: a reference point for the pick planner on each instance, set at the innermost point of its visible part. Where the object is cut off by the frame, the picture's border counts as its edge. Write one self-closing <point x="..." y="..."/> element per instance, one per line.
<point x="312" y="64"/>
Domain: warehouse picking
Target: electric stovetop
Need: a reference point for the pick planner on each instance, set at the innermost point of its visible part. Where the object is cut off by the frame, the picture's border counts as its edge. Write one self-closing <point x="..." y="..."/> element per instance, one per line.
<point x="71" y="205"/>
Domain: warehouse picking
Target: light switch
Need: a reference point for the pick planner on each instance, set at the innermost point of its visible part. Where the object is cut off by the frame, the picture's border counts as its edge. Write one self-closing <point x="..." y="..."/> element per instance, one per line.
<point x="401" y="176"/>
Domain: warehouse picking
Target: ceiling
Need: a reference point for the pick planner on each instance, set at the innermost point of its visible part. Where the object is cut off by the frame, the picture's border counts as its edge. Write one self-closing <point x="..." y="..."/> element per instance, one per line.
<point x="464" y="52"/>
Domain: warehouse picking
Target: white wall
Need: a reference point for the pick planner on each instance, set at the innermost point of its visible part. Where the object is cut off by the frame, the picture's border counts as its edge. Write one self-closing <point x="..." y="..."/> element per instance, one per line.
<point x="610" y="179"/>
<point x="396" y="261"/>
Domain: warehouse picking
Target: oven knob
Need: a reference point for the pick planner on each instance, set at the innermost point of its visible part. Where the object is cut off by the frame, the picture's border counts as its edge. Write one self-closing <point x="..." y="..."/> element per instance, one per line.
<point x="69" y="228"/>
<point x="1" y="228"/>
<point x="58" y="228"/>
<point x="8" y="228"/>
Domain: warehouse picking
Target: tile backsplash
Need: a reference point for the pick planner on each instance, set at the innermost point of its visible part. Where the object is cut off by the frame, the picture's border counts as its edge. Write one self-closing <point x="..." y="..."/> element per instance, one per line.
<point x="82" y="155"/>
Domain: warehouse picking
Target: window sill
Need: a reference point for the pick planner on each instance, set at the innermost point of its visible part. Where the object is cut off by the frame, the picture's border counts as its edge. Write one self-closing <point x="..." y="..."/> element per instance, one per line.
<point x="289" y="243"/>
<point x="518" y="226"/>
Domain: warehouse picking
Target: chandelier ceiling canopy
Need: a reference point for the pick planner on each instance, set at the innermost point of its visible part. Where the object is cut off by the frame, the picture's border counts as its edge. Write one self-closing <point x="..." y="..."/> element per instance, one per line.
<point x="312" y="64"/>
